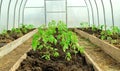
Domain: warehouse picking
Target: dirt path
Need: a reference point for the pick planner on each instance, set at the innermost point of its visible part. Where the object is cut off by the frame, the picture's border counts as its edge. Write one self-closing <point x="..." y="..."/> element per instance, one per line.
<point x="9" y="60"/>
<point x="104" y="61"/>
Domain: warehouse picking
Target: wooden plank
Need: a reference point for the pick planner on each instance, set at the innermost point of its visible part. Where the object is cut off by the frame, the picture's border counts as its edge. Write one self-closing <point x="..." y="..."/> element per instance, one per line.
<point x="17" y="64"/>
<point x="111" y="50"/>
<point x="90" y="61"/>
<point x="14" y="44"/>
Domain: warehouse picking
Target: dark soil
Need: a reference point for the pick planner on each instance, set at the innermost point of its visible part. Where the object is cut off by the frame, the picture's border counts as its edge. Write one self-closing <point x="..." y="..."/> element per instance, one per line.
<point x="34" y="62"/>
<point x="89" y="30"/>
<point x="97" y="34"/>
<point x="4" y="39"/>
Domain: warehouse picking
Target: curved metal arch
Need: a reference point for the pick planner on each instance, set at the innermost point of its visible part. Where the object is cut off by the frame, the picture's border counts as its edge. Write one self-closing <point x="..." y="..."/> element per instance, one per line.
<point x="14" y="13"/>
<point x="88" y="12"/>
<point x="45" y="13"/>
<point x="66" y="13"/>
<point x="104" y="13"/>
<point x="0" y="8"/>
<point x="111" y="5"/>
<point x="19" y="13"/>
<point x="97" y="12"/>
<point x="8" y="13"/>
<point x="23" y="11"/>
<point x="92" y="11"/>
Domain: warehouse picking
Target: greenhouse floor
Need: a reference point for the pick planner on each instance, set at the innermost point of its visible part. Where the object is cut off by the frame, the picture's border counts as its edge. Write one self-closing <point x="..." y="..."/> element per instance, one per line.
<point x="103" y="61"/>
<point x="10" y="59"/>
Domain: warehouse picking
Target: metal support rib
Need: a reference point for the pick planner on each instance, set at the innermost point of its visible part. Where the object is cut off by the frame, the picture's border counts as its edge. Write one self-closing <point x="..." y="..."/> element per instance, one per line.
<point x="97" y="12"/>
<point x="8" y="13"/>
<point x="66" y="12"/>
<point x="14" y="13"/>
<point x="23" y="11"/>
<point x="19" y="13"/>
<point x="112" y="13"/>
<point x="88" y="12"/>
<point x="104" y="13"/>
<point x="92" y="11"/>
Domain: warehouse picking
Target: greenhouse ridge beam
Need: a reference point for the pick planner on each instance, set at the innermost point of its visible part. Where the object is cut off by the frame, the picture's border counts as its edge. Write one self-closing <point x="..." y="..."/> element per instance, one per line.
<point x="76" y="6"/>
<point x="34" y="7"/>
<point x="54" y="0"/>
<point x="56" y="12"/>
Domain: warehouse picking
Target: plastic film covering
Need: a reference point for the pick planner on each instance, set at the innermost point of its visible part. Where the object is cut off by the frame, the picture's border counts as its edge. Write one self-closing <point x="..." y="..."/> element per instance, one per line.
<point x="13" y="13"/>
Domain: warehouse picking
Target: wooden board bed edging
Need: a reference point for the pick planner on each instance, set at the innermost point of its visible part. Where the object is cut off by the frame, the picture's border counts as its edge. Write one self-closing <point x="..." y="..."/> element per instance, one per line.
<point x="91" y="61"/>
<point x="17" y="64"/>
<point x="14" y="44"/>
<point x="111" y="50"/>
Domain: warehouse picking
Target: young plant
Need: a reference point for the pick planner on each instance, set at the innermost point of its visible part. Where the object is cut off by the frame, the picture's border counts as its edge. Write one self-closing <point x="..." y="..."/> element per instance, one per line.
<point x="101" y="27"/>
<point x="47" y="39"/>
<point x="68" y="56"/>
<point x="5" y="34"/>
<point x="16" y="33"/>
<point x="84" y="25"/>
<point x="30" y="27"/>
<point x="26" y="28"/>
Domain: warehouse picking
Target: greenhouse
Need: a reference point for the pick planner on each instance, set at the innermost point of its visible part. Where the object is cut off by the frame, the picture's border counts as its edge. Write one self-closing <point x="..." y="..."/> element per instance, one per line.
<point x="59" y="35"/>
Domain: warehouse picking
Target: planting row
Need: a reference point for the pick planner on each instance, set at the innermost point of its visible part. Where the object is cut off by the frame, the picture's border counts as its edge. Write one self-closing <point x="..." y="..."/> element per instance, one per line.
<point x="11" y="39"/>
<point x="55" y="48"/>
<point x="96" y="35"/>
<point x="9" y="35"/>
<point x="111" y="35"/>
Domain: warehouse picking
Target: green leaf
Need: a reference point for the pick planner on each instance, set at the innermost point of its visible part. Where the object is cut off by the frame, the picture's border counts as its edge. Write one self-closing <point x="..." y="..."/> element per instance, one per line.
<point x="40" y="47"/>
<point x="65" y="47"/>
<point x="46" y="56"/>
<point x="81" y="49"/>
<point x="103" y="37"/>
<point x="55" y="54"/>
<point x="35" y="42"/>
<point x="68" y="56"/>
<point x="109" y="32"/>
<point x="84" y="25"/>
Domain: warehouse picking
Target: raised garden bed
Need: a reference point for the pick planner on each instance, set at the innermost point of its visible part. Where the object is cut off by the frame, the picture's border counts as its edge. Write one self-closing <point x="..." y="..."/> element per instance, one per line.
<point x="32" y="61"/>
<point x="59" y="49"/>
<point x="108" y="48"/>
<point x="91" y="59"/>
<point x="55" y="49"/>
<point x="8" y="36"/>
<point x="13" y="44"/>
